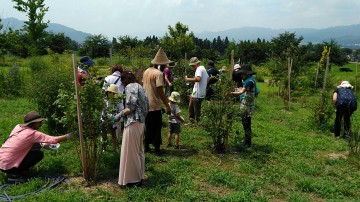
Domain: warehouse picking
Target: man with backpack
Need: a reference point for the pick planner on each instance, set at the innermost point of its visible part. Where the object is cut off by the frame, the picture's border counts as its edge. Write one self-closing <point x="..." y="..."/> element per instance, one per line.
<point x="345" y="103"/>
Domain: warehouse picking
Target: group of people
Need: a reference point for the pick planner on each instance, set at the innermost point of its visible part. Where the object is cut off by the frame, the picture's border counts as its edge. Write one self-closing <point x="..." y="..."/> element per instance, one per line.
<point x="141" y="114"/>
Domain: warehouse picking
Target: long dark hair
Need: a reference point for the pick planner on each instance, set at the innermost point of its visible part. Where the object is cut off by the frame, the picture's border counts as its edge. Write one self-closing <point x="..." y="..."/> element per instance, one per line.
<point x="128" y="77"/>
<point x="117" y="68"/>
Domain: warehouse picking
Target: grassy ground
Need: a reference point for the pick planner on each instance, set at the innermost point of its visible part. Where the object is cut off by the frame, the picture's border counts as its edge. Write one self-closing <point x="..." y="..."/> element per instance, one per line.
<point x="290" y="161"/>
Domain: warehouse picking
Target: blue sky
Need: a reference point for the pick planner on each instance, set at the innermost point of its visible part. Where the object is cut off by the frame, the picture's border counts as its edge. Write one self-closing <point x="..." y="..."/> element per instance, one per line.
<point x="114" y="18"/>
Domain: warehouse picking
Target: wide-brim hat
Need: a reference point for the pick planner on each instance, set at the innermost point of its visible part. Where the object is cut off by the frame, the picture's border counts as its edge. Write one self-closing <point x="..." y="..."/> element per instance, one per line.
<point x="174" y="97"/>
<point x="345" y="84"/>
<point x="160" y="58"/>
<point x="246" y="69"/>
<point x="113" y="88"/>
<point x="32" y="117"/>
<point x="194" y="61"/>
<point x="87" y="61"/>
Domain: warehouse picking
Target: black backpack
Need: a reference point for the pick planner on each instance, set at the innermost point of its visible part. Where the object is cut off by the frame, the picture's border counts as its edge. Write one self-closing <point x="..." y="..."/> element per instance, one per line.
<point x="346" y="97"/>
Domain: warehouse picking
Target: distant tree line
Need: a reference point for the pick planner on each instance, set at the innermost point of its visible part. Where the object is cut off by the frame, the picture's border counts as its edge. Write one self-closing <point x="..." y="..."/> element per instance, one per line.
<point x="179" y="40"/>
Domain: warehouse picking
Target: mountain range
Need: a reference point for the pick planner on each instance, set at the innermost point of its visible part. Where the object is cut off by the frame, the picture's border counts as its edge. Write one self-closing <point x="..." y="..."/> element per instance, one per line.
<point x="345" y="36"/>
<point x="55" y="28"/>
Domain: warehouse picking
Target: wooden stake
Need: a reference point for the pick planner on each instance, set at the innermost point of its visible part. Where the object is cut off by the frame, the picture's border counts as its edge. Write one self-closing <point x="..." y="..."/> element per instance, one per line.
<point x="80" y="123"/>
<point x="232" y="63"/>
<point x="289" y="79"/>
<point x="317" y="73"/>
<point x="110" y="62"/>
<point x="326" y="72"/>
<point x="356" y="74"/>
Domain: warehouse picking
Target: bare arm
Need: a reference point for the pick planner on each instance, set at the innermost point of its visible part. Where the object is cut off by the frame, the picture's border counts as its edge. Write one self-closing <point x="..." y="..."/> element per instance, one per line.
<point x="334" y="97"/>
<point x="242" y="90"/>
<point x="160" y="90"/>
<point x="195" y="79"/>
<point x="179" y="117"/>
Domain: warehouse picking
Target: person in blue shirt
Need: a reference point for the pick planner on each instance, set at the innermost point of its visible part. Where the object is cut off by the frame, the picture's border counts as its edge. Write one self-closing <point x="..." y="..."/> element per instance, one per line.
<point x="247" y="104"/>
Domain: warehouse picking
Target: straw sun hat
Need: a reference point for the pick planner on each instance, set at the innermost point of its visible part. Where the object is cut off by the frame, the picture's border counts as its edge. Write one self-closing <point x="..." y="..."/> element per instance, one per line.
<point x="160" y="58"/>
<point x="112" y="88"/>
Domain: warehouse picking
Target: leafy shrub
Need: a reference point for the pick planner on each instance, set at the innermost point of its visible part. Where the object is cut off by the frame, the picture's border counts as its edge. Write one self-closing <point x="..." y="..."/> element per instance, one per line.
<point x="92" y="103"/>
<point x="37" y="64"/>
<point x="11" y="82"/>
<point x="46" y="81"/>
<point x="323" y="111"/>
<point x="218" y="115"/>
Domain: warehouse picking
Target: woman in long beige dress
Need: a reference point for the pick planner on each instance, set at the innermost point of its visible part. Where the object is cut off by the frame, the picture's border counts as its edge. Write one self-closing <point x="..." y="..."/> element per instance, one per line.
<point x="132" y="157"/>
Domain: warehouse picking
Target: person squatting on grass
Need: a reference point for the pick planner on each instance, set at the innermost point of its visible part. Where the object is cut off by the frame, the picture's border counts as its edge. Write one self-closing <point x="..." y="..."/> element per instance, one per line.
<point x="200" y="81"/>
<point x="83" y="73"/>
<point x="247" y="101"/>
<point x="174" y="119"/>
<point x="153" y="83"/>
<point x="345" y="103"/>
<point x="21" y="150"/>
<point x="132" y="157"/>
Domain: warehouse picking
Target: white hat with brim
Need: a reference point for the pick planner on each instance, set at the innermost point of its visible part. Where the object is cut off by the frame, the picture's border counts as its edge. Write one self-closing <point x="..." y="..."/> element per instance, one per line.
<point x="345" y="84"/>
<point x="174" y="97"/>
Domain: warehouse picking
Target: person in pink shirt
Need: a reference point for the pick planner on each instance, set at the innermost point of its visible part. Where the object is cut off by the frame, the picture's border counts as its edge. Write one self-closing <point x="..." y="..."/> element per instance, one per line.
<point x="21" y="150"/>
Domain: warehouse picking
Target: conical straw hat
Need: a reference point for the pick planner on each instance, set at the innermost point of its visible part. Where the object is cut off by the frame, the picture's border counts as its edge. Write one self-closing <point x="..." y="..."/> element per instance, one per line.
<point x="160" y="58"/>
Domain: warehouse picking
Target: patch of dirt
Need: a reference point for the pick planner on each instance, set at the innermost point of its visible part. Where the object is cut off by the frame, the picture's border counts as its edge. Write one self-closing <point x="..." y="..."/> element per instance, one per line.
<point x="107" y="185"/>
<point x="335" y="156"/>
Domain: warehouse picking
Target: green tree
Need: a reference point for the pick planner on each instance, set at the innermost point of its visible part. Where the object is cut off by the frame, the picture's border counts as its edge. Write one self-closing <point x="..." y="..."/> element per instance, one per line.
<point x="34" y="27"/>
<point x="59" y="43"/>
<point x="95" y="46"/>
<point x="178" y="42"/>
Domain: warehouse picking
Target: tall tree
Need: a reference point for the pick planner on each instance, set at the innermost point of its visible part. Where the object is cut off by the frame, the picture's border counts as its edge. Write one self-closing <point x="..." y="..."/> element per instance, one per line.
<point x="95" y="46"/>
<point x="178" y="42"/>
<point x="34" y="27"/>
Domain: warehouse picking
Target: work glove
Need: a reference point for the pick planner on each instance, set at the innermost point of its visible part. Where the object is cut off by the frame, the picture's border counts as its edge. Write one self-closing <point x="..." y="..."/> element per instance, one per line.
<point x="69" y="136"/>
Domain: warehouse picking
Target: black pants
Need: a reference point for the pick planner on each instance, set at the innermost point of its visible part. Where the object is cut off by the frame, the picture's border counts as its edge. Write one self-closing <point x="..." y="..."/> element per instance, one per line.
<point x="31" y="159"/>
<point x="153" y="124"/>
<point x="246" y="122"/>
<point x="342" y="112"/>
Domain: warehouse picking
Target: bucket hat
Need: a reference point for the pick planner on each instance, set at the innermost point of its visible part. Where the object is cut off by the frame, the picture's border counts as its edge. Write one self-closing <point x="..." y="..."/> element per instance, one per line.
<point x="112" y="88"/>
<point x="174" y="97"/>
<point x="194" y="61"/>
<point x="345" y="84"/>
<point x="32" y="117"/>
<point x="160" y="58"/>
<point x="246" y="69"/>
<point x="87" y="61"/>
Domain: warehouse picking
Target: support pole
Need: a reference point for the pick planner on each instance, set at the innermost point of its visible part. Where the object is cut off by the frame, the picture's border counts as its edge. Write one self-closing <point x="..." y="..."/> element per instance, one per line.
<point x="110" y="62"/>
<point x="289" y="80"/>
<point x="232" y="63"/>
<point x="356" y="74"/>
<point x="80" y="123"/>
